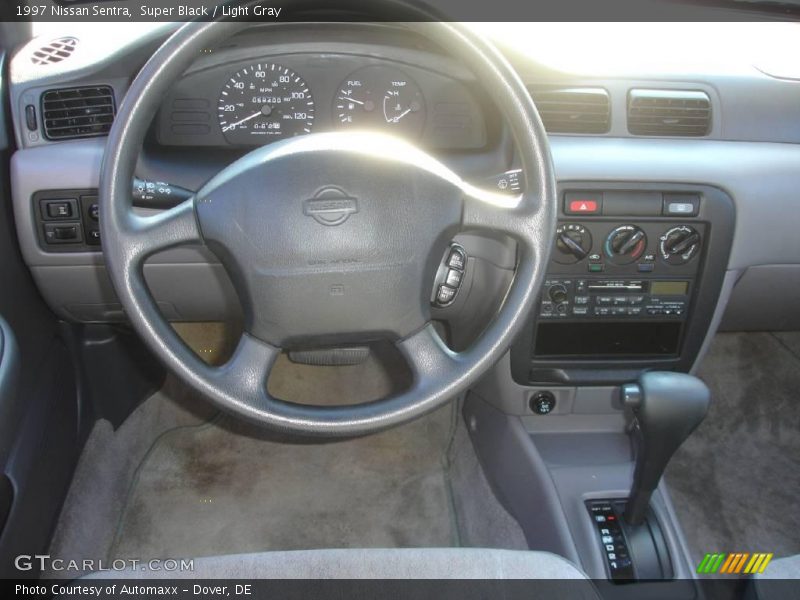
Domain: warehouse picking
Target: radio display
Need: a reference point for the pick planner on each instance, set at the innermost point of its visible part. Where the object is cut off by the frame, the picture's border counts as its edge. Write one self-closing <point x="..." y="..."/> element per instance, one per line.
<point x="669" y="288"/>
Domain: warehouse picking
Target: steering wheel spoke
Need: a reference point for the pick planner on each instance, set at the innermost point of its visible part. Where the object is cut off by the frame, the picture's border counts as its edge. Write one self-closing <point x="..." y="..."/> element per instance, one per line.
<point x="247" y="371"/>
<point x="426" y="354"/>
<point x="147" y="235"/>
<point x="494" y="212"/>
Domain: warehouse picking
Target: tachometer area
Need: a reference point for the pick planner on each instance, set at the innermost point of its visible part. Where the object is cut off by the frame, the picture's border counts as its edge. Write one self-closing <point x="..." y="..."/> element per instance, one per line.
<point x="264" y="101"/>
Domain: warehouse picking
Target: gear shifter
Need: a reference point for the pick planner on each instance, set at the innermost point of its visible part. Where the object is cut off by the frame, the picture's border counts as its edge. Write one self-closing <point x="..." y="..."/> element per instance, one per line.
<point x="667" y="407"/>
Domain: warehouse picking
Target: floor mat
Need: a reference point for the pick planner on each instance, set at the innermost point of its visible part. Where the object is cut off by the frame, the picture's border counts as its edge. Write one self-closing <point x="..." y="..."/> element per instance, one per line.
<point x="170" y="483"/>
<point x="227" y="487"/>
<point x="735" y="482"/>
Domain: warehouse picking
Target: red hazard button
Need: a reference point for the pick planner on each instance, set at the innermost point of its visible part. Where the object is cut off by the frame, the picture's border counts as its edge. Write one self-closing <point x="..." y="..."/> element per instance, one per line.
<point x="580" y="203"/>
<point x="583" y="206"/>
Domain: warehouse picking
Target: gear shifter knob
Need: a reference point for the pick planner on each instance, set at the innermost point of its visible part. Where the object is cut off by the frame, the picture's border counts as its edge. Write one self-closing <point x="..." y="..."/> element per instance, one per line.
<point x="667" y="407"/>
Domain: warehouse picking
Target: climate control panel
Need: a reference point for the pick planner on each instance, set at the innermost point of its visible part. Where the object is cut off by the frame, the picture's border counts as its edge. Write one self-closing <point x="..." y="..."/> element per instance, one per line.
<point x="623" y="273"/>
<point x="573" y="243"/>
<point x="634" y="277"/>
<point x="627" y="248"/>
<point x="679" y="245"/>
<point x="625" y="244"/>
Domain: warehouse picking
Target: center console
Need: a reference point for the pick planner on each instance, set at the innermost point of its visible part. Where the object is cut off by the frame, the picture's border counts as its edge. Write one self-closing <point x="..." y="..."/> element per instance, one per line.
<point x="574" y="427"/>
<point x="632" y="283"/>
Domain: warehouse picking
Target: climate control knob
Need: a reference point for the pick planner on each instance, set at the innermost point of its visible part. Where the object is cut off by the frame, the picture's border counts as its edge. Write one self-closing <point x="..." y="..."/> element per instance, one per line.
<point x="679" y="245"/>
<point x="573" y="243"/>
<point x="625" y="244"/>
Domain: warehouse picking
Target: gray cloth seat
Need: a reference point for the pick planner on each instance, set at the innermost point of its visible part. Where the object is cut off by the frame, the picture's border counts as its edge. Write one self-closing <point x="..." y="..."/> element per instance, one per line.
<point x="408" y="563"/>
<point x="787" y="567"/>
<point x="780" y="580"/>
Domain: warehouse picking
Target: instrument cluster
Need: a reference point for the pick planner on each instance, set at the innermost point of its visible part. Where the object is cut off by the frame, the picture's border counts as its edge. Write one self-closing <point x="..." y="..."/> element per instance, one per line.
<point x="253" y="103"/>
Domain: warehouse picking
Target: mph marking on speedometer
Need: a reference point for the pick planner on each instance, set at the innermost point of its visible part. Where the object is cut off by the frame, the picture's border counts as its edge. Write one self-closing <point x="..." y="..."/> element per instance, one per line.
<point x="265" y="100"/>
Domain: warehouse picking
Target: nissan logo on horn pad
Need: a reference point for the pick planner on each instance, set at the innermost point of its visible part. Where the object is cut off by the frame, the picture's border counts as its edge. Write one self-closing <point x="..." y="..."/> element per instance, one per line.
<point x="330" y="206"/>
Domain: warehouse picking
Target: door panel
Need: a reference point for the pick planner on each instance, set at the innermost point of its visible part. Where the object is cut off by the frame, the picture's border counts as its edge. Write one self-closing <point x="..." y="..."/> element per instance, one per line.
<point x="41" y="424"/>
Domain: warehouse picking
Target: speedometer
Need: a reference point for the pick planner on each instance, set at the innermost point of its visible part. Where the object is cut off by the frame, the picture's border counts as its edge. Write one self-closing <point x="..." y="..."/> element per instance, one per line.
<point x="264" y="102"/>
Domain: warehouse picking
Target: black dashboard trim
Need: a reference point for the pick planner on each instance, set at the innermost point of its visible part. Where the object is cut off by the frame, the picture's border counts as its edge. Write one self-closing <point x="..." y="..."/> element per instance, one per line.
<point x="718" y="213"/>
<point x="422" y="63"/>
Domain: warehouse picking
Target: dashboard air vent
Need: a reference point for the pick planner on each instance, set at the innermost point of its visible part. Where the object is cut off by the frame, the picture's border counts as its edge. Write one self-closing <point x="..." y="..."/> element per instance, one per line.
<point x="55" y="51"/>
<point x="572" y="110"/>
<point x="669" y="112"/>
<point x="77" y="112"/>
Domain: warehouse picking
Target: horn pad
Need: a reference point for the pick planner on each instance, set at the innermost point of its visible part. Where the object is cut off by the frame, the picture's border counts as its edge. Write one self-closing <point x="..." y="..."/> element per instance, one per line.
<point x="329" y="245"/>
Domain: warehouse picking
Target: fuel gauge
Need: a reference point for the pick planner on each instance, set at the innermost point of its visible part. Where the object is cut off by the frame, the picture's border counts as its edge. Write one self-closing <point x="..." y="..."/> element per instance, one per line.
<point x="354" y="103"/>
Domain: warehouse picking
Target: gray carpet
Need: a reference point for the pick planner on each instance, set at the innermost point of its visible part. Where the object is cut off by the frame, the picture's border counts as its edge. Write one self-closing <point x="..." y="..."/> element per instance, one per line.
<point x="736" y="481"/>
<point x="482" y="521"/>
<point x="223" y="489"/>
<point x="229" y="487"/>
<point x="107" y="467"/>
<point x="176" y="481"/>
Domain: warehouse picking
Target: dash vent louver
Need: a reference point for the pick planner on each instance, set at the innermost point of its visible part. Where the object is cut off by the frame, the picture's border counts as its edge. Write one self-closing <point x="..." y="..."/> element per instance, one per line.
<point x="682" y="113"/>
<point x="81" y="112"/>
<point x="55" y="51"/>
<point x="573" y="110"/>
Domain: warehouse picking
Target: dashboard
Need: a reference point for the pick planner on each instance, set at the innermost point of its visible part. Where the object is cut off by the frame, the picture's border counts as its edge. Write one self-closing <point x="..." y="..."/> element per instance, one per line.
<point x="255" y="101"/>
<point x="645" y="287"/>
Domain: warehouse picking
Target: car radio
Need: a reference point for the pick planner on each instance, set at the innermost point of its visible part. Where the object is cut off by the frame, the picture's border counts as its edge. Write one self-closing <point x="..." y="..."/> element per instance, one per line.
<point x="566" y="298"/>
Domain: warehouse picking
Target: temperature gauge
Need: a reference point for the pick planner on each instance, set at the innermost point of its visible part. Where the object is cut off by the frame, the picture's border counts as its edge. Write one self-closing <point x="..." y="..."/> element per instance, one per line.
<point x="401" y="102"/>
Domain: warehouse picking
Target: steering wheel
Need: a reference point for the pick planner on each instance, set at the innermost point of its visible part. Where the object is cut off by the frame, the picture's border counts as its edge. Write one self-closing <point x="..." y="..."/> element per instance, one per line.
<point x="305" y="278"/>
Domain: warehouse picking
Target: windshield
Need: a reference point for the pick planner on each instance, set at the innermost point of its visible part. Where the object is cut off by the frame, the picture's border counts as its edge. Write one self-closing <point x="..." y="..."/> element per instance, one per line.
<point x="626" y="48"/>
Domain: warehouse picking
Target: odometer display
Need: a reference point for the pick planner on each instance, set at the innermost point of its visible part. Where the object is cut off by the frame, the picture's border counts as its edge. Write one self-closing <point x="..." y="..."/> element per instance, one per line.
<point x="264" y="102"/>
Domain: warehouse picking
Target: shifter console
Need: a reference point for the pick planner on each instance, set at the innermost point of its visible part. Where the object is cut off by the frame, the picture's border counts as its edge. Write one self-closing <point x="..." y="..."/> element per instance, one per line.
<point x="632" y="552"/>
<point x="607" y="521"/>
<point x="666" y="408"/>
